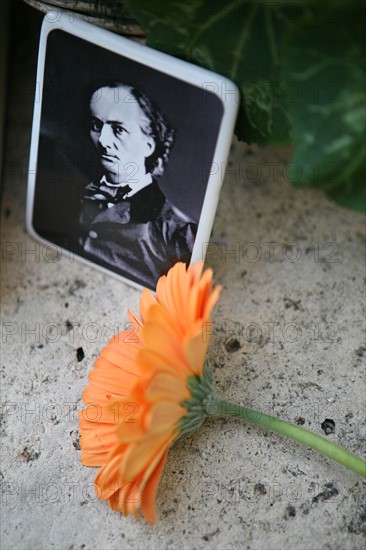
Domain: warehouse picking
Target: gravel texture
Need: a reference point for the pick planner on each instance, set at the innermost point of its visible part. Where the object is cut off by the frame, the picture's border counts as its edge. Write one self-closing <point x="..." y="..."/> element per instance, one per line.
<point x="288" y="338"/>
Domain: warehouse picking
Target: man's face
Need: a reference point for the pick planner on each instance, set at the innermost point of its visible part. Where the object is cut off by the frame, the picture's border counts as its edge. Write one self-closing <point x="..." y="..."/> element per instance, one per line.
<point x="117" y="135"/>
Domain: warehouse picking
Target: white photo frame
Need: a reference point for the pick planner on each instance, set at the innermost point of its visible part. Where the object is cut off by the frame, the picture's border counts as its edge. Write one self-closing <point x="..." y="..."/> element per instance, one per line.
<point x="86" y="196"/>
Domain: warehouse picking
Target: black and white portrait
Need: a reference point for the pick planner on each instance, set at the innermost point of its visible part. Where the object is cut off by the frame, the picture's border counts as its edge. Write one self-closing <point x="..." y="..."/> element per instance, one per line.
<point x="126" y="220"/>
<point x="123" y="161"/>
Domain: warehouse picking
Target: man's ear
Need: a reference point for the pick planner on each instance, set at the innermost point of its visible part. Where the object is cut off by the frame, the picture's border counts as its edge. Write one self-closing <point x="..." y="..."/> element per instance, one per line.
<point x="150" y="146"/>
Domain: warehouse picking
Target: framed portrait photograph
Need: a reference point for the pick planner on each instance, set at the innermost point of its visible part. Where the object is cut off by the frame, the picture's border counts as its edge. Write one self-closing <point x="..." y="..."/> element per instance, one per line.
<point x="127" y="153"/>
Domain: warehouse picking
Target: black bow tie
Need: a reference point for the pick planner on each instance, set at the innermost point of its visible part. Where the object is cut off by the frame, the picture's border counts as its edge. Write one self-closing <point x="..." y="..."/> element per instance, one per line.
<point x="107" y="194"/>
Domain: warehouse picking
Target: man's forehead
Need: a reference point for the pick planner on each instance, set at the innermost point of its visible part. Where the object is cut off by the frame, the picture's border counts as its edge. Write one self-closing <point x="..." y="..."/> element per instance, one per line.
<point x="115" y="92"/>
<point x="114" y="102"/>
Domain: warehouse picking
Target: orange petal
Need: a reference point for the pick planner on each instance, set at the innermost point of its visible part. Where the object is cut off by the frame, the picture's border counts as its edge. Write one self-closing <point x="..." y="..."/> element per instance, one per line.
<point x="204" y="290"/>
<point x="146" y="301"/>
<point x="117" y="410"/>
<point x="94" y="459"/>
<point x="101" y="439"/>
<point x="152" y="363"/>
<point x="131" y="433"/>
<point x="194" y="271"/>
<point x="163" y="416"/>
<point x="134" y="320"/>
<point x="123" y="335"/>
<point x="149" y="492"/>
<point x="121" y="356"/>
<point x="138" y="455"/>
<point x="165" y="387"/>
<point x="176" y="292"/>
<point x="211" y="301"/>
<point x="195" y="350"/>
<point x="108" y="479"/>
<point x="129" y="497"/>
<point x="161" y="338"/>
<point x="112" y="379"/>
<point x="161" y="292"/>
<point x="98" y="396"/>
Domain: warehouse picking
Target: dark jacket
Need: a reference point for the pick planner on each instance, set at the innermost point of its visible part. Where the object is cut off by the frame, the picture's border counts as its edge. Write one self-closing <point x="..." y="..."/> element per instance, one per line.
<point x="140" y="238"/>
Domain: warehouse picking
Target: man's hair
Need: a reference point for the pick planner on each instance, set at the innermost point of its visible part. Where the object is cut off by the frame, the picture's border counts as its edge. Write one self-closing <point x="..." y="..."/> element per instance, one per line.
<point x="153" y="125"/>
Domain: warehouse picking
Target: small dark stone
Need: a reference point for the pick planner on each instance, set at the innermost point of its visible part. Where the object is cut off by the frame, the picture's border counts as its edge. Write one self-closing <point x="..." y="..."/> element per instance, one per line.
<point x="360" y="351"/>
<point x="296" y="304"/>
<point x="80" y="354"/>
<point x="40" y="346"/>
<point x="29" y="455"/>
<point x="67" y="304"/>
<point x="290" y="511"/>
<point x="355" y="528"/>
<point x="75" y="440"/>
<point x="77" y="284"/>
<point x="259" y="489"/>
<point x="69" y="325"/>
<point x="209" y="536"/>
<point x="232" y="345"/>
<point x="329" y="492"/>
<point x="328" y="426"/>
<point x="300" y="421"/>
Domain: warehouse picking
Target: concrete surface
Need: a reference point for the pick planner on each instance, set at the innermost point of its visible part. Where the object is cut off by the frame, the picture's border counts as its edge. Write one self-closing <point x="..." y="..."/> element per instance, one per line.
<point x="288" y="339"/>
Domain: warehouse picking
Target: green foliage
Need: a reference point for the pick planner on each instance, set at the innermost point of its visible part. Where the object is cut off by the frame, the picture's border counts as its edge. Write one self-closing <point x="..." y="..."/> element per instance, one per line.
<point x="300" y="67"/>
<point x="326" y="65"/>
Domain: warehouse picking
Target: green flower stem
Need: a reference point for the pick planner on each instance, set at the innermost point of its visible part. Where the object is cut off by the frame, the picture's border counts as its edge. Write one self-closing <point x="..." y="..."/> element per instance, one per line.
<point x="219" y="407"/>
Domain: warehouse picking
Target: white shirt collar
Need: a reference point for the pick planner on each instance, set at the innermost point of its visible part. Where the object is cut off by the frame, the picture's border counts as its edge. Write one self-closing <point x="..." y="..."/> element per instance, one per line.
<point x="143" y="182"/>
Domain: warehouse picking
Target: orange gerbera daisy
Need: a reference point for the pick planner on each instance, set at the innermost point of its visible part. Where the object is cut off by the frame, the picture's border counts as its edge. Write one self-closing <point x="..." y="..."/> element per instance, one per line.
<point x="147" y="388"/>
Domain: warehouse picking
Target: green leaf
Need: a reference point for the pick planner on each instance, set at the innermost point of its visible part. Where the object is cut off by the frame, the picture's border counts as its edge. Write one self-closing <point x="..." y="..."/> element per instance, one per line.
<point x="326" y="71"/>
<point x="237" y="38"/>
<point x="300" y="68"/>
<point x="352" y="193"/>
